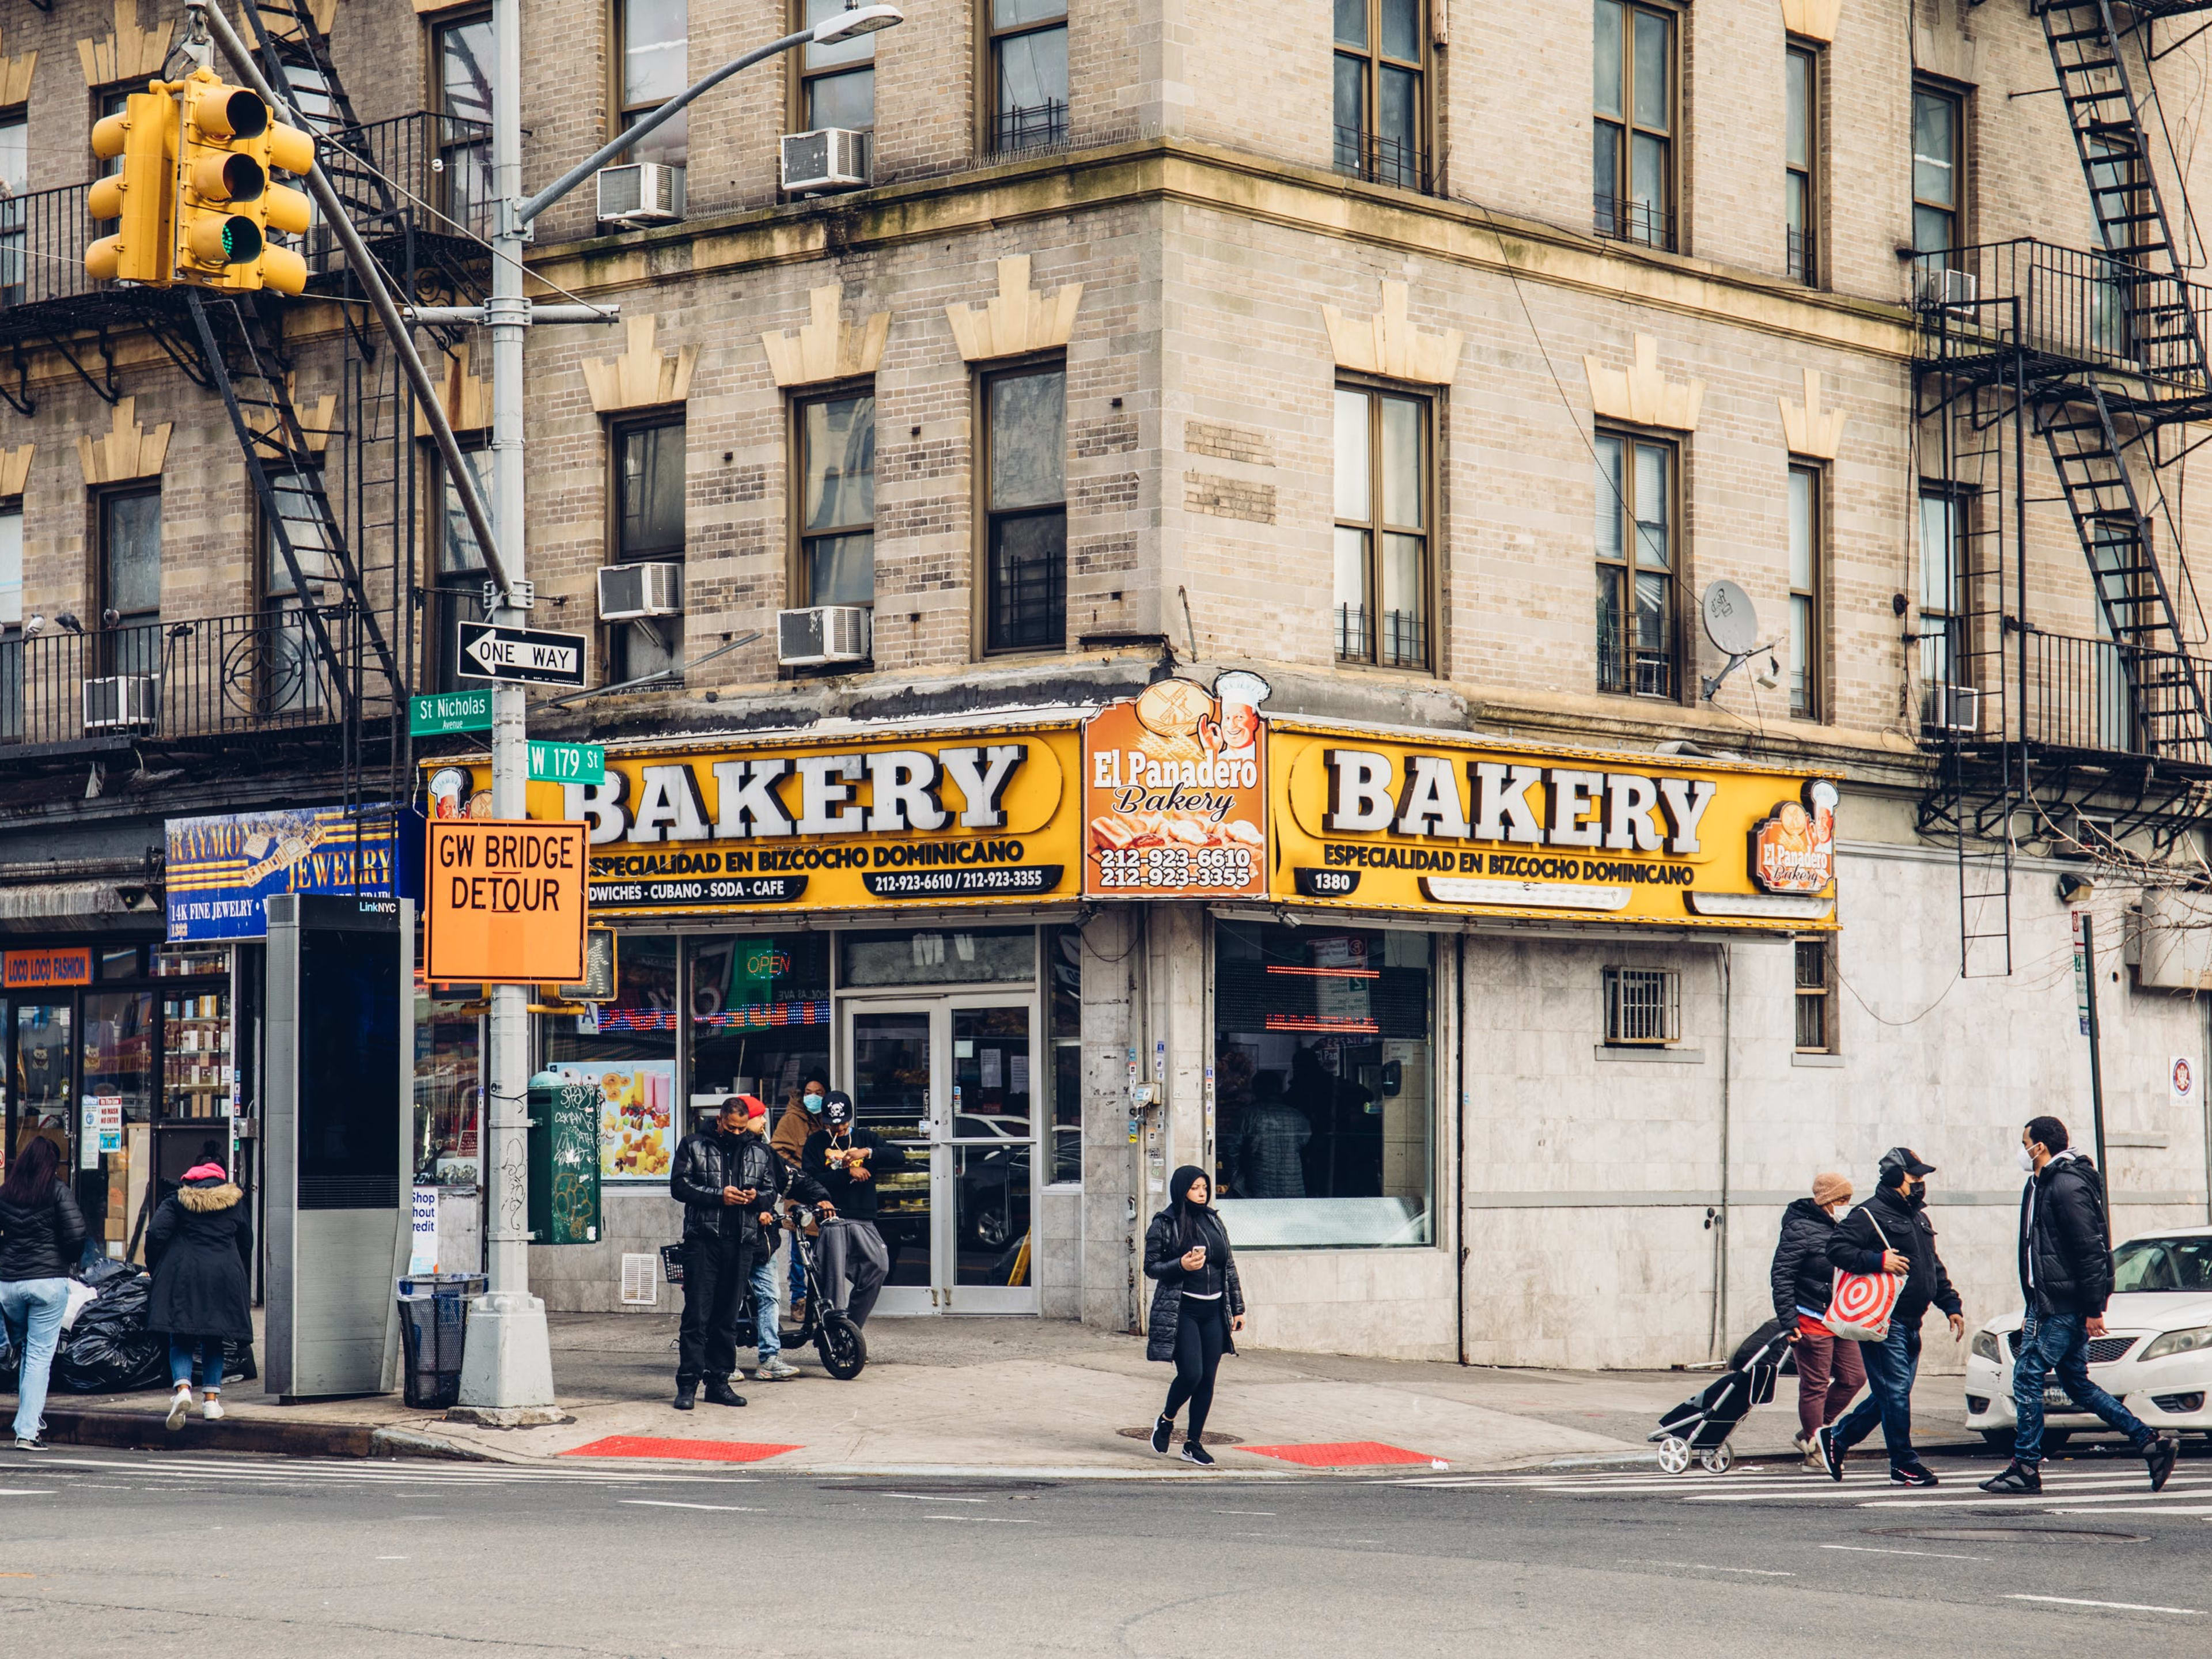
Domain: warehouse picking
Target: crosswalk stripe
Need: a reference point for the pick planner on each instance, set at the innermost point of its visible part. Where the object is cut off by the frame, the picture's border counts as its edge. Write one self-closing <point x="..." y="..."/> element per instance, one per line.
<point x="307" y="1471"/>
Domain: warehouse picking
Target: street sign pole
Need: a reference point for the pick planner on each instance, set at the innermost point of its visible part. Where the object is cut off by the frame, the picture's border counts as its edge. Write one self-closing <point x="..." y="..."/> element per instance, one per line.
<point x="2085" y="982"/>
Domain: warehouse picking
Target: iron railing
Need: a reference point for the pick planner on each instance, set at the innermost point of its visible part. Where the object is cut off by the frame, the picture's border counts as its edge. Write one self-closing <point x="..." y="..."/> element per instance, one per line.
<point x="1627" y="221"/>
<point x="1038" y="126"/>
<point x="43" y="237"/>
<point x="208" y="676"/>
<point x="1381" y="160"/>
<point x="1802" y="257"/>
<point x="2093" y="695"/>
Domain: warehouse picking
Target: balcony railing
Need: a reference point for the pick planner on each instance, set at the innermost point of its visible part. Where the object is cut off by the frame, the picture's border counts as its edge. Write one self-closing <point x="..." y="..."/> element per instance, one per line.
<point x="1627" y="221"/>
<point x="1038" y="126"/>
<point x="1802" y="267"/>
<point x="43" y="237"/>
<point x="1381" y="160"/>
<point x="208" y="676"/>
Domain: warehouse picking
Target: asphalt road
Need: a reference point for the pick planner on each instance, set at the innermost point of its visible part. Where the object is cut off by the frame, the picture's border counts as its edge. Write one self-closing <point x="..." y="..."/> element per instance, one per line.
<point x="162" y="1553"/>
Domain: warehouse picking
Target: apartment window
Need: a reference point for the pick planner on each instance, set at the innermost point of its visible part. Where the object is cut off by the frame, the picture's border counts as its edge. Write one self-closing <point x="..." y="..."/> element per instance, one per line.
<point x="648" y="526"/>
<point x="838" y="82"/>
<point x="129" y="580"/>
<point x="461" y="61"/>
<point x="1025" y="505"/>
<point x="837" y="500"/>
<point x="1633" y="181"/>
<point x="1642" y="1007"/>
<point x="292" y="675"/>
<point x="654" y="36"/>
<point x="11" y="620"/>
<point x="1815" y="993"/>
<point x="15" y="180"/>
<point x="457" y="595"/>
<point x="1807" y="572"/>
<point x="1942" y="589"/>
<point x="1380" y="47"/>
<point x="1028" y="73"/>
<point x="1800" y="158"/>
<point x="1637" y="501"/>
<point x="1382" y="515"/>
<point x="106" y="101"/>
<point x="1938" y="169"/>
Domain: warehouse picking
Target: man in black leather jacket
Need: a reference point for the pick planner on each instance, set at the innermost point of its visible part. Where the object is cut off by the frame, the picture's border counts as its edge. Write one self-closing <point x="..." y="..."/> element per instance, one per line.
<point x="728" y="1182"/>
<point x="2066" y="1276"/>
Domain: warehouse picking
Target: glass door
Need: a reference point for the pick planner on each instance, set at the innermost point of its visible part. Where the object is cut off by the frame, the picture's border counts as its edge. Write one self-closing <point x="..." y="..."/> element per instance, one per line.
<point x="892" y="1071"/>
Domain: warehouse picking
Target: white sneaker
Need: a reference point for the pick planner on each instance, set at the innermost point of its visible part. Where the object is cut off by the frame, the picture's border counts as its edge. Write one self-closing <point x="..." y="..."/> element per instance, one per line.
<point x="211" y="1408"/>
<point x="776" y="1370"/>
<point x="180" y="1407"/>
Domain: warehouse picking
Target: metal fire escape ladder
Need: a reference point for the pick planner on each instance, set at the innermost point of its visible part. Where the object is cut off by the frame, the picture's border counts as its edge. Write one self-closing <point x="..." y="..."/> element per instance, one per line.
<point x="295" y="54"/>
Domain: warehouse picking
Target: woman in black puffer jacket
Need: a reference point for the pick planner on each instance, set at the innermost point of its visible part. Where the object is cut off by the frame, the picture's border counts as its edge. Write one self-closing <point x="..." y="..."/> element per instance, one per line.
<point x="1829" y="1369"/>
<point x="199" y="1242"/>
<point x="1197" y="1302"/>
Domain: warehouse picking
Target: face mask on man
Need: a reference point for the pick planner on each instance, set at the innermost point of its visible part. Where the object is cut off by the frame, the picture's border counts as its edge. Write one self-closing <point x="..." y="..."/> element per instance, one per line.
<point x="1915" y="1194"/>
<point x="2028" y="1160"/>
<point x="813" y="1102"/>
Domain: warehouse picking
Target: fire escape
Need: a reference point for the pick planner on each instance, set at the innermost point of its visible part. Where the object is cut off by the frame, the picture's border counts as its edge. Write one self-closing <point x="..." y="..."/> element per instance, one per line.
<point x="325" y="662"/>
<point x="2097" y="360"/>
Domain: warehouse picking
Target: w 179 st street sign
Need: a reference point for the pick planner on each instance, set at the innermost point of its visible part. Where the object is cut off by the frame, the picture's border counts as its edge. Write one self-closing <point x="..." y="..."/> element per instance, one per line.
<point x="491" y="653"/>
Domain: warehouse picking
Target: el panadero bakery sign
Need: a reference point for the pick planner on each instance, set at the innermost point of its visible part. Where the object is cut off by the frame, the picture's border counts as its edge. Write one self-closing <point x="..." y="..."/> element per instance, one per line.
<point x="862" y="822"/>
<point x="1441" y="826"/>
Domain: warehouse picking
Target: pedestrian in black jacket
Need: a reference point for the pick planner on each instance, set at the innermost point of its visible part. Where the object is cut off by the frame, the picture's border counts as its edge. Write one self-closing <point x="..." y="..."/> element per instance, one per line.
<point x="1197" y="1302"/>
<point x="2066" y="1276"/>
<point x="846" y="1158"/>
<point x="1828" y="1368"/>
<point x="727" y="1182"/>
<point x="41" y="1231"/>
<point x="1891" y="1233"/>
<point x="199" y="1242"/>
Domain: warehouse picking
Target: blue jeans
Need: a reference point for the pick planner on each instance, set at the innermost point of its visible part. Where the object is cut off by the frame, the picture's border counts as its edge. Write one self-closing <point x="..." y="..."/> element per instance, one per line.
<point x="33" y="1309"/>
<point x="797" y="1270"/>
<point x="1891" y="1365"/>
<point x="763" y="1283"/>
<point x="210" y="1358"/>
<point x="2060" y="1342"/>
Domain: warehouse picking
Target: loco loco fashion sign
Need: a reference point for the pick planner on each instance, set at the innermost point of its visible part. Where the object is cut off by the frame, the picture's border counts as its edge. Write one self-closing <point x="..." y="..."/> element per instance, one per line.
<point x="1394" y="823"/>
<point x="858" y="823"/>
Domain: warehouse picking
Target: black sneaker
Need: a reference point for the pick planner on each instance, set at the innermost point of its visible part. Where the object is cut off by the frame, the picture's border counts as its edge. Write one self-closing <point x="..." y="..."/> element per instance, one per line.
<point x="1194" y="1453"/>
<point x="1912" y="1474"/>
<point x="1163" y="1431"/>
<point x="2160" y="1456"/>
<point x="2018" y="1477"/>
<point x="1831" y="1454"/>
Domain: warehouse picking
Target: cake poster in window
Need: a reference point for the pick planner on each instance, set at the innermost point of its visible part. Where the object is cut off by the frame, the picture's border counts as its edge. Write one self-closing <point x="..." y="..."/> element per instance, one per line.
<point x="1174" y="797"/>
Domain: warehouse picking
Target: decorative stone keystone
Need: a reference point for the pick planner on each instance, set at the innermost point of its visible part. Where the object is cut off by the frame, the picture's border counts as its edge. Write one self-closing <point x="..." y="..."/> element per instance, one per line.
<point x="1387" y="344"/>
<point x="827" y="348"/>
<point x="1642" y="395"/>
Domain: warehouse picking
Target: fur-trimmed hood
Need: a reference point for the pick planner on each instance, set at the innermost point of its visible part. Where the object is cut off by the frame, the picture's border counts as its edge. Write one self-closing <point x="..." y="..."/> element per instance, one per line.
<point x="206" y="1197"/>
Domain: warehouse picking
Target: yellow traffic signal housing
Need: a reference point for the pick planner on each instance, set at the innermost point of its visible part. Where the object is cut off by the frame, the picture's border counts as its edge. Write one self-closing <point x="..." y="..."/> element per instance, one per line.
<point x="226" y="200"/>
<point x="141" y="193"/>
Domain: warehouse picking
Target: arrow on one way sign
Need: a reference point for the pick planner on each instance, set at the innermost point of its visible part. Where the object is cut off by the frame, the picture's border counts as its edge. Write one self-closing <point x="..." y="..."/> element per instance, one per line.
<point x="491" y="653"/>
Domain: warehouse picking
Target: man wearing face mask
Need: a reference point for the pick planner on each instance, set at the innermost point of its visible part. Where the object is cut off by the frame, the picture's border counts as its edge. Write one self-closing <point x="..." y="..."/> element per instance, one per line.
<point x="1891" y="1233"/>
<point x="1828" y="1368"/>
<point x="2066" y="1274"/>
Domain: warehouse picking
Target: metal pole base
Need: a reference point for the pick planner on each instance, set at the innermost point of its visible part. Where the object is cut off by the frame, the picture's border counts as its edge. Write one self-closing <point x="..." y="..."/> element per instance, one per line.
<point x="506" y="1357"/>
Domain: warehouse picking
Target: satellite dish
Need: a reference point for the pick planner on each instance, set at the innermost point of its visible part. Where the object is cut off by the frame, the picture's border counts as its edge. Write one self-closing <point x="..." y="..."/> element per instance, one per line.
<point x="1731" y="622"/>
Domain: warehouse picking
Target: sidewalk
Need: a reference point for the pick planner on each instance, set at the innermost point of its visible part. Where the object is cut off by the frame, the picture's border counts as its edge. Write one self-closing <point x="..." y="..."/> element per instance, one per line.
<point x="975" y="1395"/>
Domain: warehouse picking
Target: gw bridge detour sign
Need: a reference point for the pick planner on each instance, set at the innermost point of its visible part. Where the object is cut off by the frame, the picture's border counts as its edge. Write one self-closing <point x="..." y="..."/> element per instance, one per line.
<point x="504" y="901"/>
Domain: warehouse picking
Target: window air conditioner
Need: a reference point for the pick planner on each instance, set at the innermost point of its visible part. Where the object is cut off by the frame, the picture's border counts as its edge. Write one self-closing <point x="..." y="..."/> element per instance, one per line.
<point x="642" y="193"/>
<point x="628" y="593"/>
<point x="825" y="633"/>
<point x="126" y="702"/>
<point x="1941" y="289"/>
<point x="830" y="158"/>
<point x="1954" y="708"/>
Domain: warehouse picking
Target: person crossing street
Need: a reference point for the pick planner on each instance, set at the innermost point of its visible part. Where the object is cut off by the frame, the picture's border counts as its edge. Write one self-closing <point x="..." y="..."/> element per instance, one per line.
<point x="2066" y="1275"/>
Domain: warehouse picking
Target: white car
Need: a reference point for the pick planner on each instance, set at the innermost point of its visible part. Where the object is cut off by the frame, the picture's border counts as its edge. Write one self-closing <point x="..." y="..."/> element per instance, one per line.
<point x="2156" y="1359"/>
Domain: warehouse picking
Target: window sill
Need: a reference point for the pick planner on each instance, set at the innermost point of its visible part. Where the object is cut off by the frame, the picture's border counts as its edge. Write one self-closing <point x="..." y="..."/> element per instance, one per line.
<point x="1638" y="1054"/>
<point x="1828" y="1060"/>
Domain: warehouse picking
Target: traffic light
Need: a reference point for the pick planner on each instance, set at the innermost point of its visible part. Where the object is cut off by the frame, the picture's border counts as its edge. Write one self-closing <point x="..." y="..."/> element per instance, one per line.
<point x="140" y="192"/>
<point x="226" y="200"/>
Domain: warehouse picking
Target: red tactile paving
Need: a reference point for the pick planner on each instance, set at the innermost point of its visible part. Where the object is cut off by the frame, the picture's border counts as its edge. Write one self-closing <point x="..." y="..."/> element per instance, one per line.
<point x="1342" y="1454"/>
<point x="705" y="1451"/>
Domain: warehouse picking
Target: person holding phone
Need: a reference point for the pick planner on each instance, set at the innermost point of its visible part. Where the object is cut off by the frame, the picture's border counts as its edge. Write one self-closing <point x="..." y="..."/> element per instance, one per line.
<point x="1197" y="1301"/>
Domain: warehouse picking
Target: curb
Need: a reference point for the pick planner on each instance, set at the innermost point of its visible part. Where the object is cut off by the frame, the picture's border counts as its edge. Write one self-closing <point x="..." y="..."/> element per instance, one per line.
<point x="149" y="1432"/>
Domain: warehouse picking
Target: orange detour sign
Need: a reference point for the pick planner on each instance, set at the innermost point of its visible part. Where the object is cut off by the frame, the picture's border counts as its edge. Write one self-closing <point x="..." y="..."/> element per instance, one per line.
<point x="505" y="901"/>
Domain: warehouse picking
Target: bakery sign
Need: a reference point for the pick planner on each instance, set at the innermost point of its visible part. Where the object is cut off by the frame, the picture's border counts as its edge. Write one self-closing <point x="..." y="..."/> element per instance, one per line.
<point x="1175" y="799"/>
<point x="1379" y="822"/>
<point x="867" y="820"/>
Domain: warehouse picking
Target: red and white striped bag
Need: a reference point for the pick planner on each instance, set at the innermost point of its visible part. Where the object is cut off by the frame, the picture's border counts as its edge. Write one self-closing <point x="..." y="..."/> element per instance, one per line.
<point x="1860" y="1305"/>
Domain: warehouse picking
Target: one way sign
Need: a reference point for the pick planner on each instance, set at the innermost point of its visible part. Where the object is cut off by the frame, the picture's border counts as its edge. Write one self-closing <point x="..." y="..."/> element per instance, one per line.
<point x="489" y="653"/>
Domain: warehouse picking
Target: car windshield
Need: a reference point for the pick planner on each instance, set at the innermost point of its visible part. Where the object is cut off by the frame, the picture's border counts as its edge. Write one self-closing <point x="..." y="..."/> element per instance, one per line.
<point x="2164" y="1264"/>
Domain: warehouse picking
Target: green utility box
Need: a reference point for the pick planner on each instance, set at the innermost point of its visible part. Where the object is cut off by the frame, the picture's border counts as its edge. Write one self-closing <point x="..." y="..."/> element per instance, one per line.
<point x="564" y="1161"/>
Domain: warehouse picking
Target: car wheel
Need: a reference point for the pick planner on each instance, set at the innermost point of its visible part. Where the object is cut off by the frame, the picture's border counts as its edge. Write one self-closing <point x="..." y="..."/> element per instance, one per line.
<point x="989" y="1229"/>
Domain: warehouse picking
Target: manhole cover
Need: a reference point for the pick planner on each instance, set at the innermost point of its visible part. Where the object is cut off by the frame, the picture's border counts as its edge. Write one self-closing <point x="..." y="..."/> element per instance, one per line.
<point x="2007" y="1534"/>
<point x="1212" y="1436"/>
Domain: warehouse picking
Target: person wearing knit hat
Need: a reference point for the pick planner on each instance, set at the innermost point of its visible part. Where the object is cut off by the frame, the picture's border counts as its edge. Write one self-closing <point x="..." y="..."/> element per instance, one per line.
<point x="1829" y="1369"/>
<point x="199" y="1242"/>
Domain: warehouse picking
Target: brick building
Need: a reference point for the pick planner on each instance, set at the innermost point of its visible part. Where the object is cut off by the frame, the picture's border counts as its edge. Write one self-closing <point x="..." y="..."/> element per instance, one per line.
<point x="1431" y="365"/>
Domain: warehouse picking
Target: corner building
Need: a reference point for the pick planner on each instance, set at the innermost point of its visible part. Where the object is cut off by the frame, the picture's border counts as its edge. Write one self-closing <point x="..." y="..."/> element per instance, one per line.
<point x="1254" y="486"/>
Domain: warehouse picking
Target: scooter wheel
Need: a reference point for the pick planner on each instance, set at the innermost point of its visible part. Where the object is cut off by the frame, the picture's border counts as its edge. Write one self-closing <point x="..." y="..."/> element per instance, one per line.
<point x="844" y="1350"/>
<point x="1718" y="1460"/>
<point x="1673" y="1454"/>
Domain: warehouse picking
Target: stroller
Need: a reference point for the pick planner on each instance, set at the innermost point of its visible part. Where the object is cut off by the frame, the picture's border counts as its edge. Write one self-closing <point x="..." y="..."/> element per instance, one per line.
<point x="1702" y="1423"/>
<point x="844" y="1349"/>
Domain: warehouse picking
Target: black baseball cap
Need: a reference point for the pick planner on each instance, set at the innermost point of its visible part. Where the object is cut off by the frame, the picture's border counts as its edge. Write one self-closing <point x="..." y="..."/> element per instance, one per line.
<point x="1903" y="1160"/>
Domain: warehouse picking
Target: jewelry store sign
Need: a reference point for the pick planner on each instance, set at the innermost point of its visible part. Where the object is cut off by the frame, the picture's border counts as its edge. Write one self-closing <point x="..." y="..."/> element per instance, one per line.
<point x="1376" y="822"/>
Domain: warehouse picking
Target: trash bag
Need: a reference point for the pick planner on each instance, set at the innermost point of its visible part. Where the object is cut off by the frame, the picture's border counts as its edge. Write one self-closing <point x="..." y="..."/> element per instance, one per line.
<point x="109" y="1350"/>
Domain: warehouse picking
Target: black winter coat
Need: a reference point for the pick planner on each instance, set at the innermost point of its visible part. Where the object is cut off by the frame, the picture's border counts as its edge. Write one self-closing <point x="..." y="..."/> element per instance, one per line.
<point x="200" y="1241"/>
<point x="41" y="1241"/>
<point x="1164" y="1249"/>
<point x="1856" y="1247"/>
<point x="856" y="1201"/>
<point x="2065" y="1252"/>
<point x="1802" y="1277"/>
<point x="708" y="1162"/>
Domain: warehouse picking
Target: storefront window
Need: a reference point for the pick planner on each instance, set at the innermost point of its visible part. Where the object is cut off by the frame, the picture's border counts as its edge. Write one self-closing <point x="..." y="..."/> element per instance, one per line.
<point x="980" y="955"/>
<point x="1324" y="1065"/>
<point x="760" y="1015"/>
<point x="1063" y="955"/>
<point x="117" y="1089"/>
<point x="628" y="1049"/>
<point x="448" y="1094"/>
